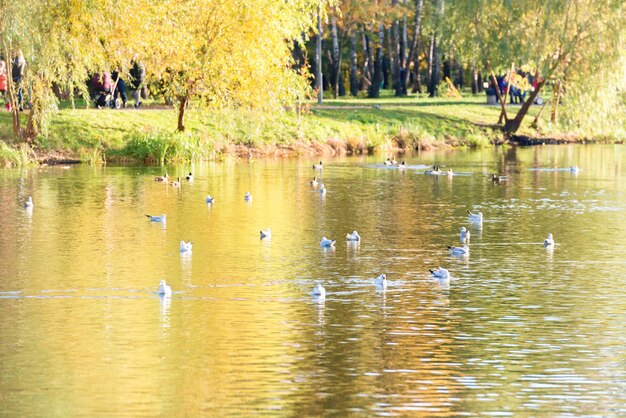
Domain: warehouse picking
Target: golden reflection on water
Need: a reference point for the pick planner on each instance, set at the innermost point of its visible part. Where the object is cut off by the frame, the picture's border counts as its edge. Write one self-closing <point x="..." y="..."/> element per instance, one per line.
<point x="517" y="328"/>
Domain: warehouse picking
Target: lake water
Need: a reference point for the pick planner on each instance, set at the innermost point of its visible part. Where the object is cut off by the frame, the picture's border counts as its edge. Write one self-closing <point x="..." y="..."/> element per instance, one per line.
<point x="519" y="330"/>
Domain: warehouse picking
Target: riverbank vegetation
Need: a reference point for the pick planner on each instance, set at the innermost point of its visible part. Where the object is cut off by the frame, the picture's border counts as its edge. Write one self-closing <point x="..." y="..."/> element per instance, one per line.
<point x="239" y="78"/>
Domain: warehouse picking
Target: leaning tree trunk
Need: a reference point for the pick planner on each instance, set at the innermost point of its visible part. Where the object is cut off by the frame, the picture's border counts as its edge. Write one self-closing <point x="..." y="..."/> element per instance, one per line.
<point x="374" y="90"/>
<point x="512" y="125"/>
<point x="354" y="81"/>
<point x="183" y="102"/>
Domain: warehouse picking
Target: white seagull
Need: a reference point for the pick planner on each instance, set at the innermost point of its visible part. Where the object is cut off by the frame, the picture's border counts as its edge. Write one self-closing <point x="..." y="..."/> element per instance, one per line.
<point x="327" y="243"/>
<point x="548" y="241"/>
<point x="381" y="281"/>
<point x="574" y="169"/>
<point x="29" y="203"/>
<point x="322" y="189"/>
<point x="319" y="166"/>
<point x="185" y="246"/>
<point x="209" y="199"/>
<point x="156" y="218"/>
<point x="440" y="273"/>
<point x="464" y="235"/>
<point x="353" y="236"/>
<point x="475" y="217"/>
<point x="266" y="234"/>
<point x="464" y="250"/>
<point x="247" y="197"/>
<point x="319" y="291"/>
<point x="164" y="289"/>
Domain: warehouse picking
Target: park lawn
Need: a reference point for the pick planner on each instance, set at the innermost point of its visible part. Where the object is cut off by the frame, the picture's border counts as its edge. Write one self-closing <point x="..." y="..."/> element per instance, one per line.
<point x="363" y="124"/>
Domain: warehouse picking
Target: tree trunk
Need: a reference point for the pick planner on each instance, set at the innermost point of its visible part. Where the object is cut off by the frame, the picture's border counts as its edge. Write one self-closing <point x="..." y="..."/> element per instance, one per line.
<point x="435" y="76"/>
<point x="461" y="78"/>
<point x="318" y="58"/>
<point x="387" y="65"/>
<point x="374" y="91"/>
<point x="412" y="57"/>
<point x="366" y="74"/>
<point x="556" y="98"/>
<point x="336" y="55"/>
<point x="474" y="78"/>
<point x="512" y="125"/>
<point x="15" y="112"/>
<point x="354" y="81"/>
<point x="183" y="101"/>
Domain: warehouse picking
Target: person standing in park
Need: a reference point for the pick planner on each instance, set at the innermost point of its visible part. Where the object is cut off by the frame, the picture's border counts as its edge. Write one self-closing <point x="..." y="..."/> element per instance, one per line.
<point x="138" y="76"/>
<point x="120" y="87"/>
<point x="17" y="72"/>
<point x="4" y="83"/>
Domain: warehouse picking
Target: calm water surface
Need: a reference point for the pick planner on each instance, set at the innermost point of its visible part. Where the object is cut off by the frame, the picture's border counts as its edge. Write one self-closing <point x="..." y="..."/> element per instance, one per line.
<point x="518" y="330"/>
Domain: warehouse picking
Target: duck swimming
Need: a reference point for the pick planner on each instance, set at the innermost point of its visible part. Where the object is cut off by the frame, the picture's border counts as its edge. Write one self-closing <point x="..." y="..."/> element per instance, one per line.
<point x="161" y="178"/>
<point x="176" y="183"/>
<point x="434" y="172"/>
<point x="314" y="182"/>
<point x="318" y="166"/>
<point x="189" y="177"/>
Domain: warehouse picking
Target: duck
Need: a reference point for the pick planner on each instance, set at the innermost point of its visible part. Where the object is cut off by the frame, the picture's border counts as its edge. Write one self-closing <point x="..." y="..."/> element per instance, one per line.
<point x="266" y="234"/>
<point x="381" y="281"/>
<point x="388" y="162"/>
<point x="189" y="177"/>
<point x="210" y="199"/>
<point x="161" y="178"/>
<point x="475" y="217"/>
<point x="185" y="246"/>
<point x="402" y="165"/>
<point x="319" y="291"/>
<point x="464" y="250"/>
<point x="394" y="162"/>
<point x="164" y="289"/>
<point x="498" y="179"/>
<point x="327" y="243"/>
<point x="322" y="189"/>
<point x="464" y="235"/>
<point x="156" y="218"/>
<point x="434" y="172"/>
<point x="548" y="242"/>
<point x="318" y="166"/>
<point x="29" y="203"/>
<point x="314" y="182"/>
<point x="247" y="197"/>
<point x="449" y="173"/>
<point x="440" y="273"/>
<point x="176" y="183"/>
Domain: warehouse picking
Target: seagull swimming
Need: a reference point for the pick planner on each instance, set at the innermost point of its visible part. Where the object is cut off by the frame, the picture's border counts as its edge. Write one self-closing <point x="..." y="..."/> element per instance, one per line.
<point x="161" y="178"/>
<point x="266" y="234"/>
<point x="314" y="182"/>
<point x="464" y="235"/>
<point x="189" y="177"/>
<point x="318" y="166"/>
<point x="327" y="243"/>
<point x="464" y="250"/>
<point x="440" y="273"/>
<point x="353" y="237"/>
<point x="164" y="289"/>
<point x="209" y="199"/>
<point x="548" y="241"/>
<point x="475" y="217"/>
<point x="156" y="218"/>
<point x="185" y="246"/>
<point x="247" y="197"/>
<point x="29" y="203"/>
<point x="322" y="189"/>
<point x="319" y="291"/>
<point x="381" y="281"/>
<point x="574" y="169"/>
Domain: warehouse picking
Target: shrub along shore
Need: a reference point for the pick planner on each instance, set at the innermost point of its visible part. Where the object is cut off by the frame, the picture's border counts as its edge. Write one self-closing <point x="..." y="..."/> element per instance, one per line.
<point x="389" y="124"/>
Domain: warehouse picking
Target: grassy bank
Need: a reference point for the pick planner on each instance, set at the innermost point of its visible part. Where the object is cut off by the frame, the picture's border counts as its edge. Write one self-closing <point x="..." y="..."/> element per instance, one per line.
<point x="344" y="125"/>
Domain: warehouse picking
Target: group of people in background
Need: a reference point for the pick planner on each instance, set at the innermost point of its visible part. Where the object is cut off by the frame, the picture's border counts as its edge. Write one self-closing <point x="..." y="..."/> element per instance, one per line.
<point x="518" y="85"/>
<point x="18" y="67"/>
<point x="105" y="88"/>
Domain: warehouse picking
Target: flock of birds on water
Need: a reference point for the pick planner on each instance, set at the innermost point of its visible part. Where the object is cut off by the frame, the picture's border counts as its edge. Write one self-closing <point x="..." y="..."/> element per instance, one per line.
<point x="318" y="291"/>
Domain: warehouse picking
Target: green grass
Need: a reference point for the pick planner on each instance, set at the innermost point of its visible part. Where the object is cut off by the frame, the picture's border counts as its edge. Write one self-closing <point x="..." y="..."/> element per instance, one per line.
<point x="356" y="125"/>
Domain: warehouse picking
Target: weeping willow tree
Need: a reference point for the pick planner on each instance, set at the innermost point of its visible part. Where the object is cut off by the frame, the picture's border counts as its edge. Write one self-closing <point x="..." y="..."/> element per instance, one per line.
<point x="574" y="44"/>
